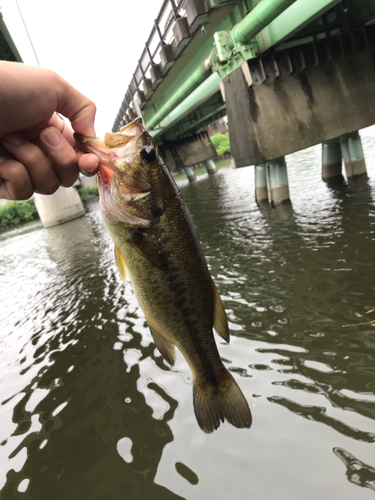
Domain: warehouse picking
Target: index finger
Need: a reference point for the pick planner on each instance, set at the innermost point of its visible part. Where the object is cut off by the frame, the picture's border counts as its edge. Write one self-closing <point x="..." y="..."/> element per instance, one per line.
<point x="88" y="163"/>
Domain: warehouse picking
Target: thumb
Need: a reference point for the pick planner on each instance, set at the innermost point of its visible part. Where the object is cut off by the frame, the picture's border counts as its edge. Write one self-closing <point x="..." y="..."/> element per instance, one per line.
<point x="77" y="108"/>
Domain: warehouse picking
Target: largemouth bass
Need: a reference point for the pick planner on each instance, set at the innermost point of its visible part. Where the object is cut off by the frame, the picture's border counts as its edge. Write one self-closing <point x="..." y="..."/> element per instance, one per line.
<point x="157" y="244"/>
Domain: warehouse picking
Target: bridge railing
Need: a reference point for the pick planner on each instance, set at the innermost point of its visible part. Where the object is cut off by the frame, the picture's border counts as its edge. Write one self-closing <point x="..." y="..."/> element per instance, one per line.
<point x="160" y="35"/>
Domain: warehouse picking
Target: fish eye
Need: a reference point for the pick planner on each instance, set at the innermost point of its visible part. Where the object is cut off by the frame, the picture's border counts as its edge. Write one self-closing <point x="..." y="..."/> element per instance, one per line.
<point x="148" y="154"/>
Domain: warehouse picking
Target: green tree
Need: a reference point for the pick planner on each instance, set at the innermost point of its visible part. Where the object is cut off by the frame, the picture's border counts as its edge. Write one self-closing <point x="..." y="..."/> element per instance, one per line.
<point x="221" y="143"/>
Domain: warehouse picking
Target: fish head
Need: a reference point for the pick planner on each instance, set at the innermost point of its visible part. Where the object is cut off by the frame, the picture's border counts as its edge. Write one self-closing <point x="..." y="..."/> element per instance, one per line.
<point x="130" y="174"/>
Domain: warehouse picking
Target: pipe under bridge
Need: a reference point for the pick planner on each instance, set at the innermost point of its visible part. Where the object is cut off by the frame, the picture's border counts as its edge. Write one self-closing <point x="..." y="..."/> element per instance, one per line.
<point x="287" y="73"/>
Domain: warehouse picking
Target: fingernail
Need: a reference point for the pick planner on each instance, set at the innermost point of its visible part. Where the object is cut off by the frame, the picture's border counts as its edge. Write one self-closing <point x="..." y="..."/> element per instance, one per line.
<point x="2" y="159"/>
<point x="13" y="139"/>
<point x="53" y="138"/>
<point x="92" y="169"/>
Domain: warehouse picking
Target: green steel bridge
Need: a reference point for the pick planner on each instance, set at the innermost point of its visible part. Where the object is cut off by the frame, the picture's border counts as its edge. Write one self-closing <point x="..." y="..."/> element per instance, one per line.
<point x="287" y="73"/>
<point x="196" y="44"/>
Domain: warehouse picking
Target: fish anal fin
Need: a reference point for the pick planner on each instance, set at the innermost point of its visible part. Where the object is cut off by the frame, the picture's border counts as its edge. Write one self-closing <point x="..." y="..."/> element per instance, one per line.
<point x="214" y="404"/>
<point x="166" y="348"/>
<point x="120" y="263"/>
<point x="220" y="317"/>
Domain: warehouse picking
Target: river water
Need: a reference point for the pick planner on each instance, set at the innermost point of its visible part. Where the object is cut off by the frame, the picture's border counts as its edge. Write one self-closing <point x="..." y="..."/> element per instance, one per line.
<point x="88" y="408"/>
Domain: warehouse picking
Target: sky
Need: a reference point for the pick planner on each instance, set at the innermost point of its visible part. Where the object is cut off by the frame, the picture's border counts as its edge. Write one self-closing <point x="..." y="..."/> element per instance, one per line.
<point x="93" y="45"/>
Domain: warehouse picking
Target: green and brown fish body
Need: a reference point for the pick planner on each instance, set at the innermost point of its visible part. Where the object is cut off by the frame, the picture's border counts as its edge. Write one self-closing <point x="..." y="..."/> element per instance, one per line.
<point x="157" y="244"/>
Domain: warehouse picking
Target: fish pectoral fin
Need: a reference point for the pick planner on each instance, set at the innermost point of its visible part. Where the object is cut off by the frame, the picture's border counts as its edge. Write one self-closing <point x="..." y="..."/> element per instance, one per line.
<point x="120" y="263"/>
<point x="166" y="348"/>
<point x="220" y="317"/>
<point x="147" y="249"/>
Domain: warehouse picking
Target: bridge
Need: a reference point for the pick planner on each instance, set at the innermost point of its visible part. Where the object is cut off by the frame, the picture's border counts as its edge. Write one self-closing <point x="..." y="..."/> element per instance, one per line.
<point x="287" y="73"/>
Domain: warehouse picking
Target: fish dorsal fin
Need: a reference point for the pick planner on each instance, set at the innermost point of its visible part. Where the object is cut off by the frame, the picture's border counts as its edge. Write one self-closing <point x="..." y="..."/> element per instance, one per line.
<point x="166" y="348"/>
<point x="220" y="317"/>
<point x="140" y="242"/>
<point x="120" y="263"/>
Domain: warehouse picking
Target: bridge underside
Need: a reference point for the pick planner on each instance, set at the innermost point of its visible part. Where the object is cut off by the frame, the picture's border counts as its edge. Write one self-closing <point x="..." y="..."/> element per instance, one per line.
<point x="188" y="151"/>
<point x="300" y="98"/>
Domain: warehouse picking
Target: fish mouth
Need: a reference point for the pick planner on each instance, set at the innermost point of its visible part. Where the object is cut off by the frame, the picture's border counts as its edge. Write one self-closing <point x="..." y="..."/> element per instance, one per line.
<point x="114" y="144"/>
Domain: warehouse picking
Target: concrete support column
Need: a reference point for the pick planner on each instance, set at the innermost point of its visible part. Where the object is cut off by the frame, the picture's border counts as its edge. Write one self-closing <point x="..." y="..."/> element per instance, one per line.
<point x="261" y="191"/>
<point x="190" y="173"/>
<point x="331" y="159"/>
<point x="210" y="166"/>
<point x="352" y="154"/>
<point x="277" y="181"/>
<point x="62" y="206"/>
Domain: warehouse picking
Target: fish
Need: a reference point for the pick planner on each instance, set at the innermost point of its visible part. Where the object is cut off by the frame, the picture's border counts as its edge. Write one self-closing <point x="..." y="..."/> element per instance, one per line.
<point x="157" y="246"/>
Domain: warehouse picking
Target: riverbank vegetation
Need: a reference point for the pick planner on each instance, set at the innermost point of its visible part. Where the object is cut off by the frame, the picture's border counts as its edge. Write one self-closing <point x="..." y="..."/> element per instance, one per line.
<point x="17" y="212"/>
<point x="221" y="143"/>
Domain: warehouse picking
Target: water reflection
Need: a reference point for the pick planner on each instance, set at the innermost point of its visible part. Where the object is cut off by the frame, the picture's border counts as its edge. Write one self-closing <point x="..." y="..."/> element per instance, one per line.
<point x="357" y="472"/>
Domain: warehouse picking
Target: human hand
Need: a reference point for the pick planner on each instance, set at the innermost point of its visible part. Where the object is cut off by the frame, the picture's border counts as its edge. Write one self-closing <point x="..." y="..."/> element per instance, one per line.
<point x="38" y="152"/>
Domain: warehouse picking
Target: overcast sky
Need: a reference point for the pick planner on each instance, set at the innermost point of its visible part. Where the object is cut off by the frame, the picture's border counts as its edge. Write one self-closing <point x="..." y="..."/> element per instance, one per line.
<point x="94" y="45"/>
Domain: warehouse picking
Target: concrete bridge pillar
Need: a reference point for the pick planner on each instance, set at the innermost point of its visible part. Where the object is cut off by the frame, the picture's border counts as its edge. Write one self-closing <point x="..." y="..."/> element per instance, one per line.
<point x="352" y="154"/>
<point x="271" y="182"/>
<point x="261" y="190"/>
<point x="210" y="166"/>
<point x="62" y="206"/>
<point x="331" y="159"/>
<point x="277" y="181"/>
<point x="190" y="173"/>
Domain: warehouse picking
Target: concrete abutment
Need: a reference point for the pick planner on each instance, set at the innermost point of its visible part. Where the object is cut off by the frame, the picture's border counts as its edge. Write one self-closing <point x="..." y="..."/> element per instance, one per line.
<point x="62" y="206"/>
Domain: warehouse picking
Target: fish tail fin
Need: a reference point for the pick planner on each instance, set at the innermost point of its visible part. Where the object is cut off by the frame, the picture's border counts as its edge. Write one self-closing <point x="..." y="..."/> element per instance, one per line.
<point x="214" y="404"/>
